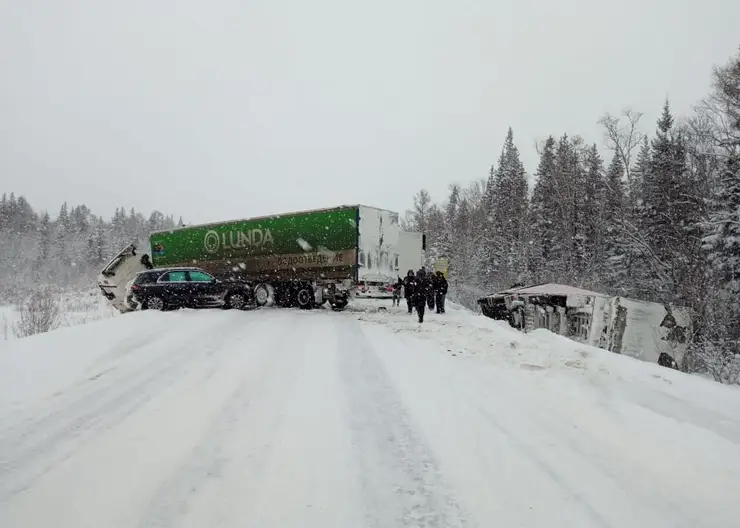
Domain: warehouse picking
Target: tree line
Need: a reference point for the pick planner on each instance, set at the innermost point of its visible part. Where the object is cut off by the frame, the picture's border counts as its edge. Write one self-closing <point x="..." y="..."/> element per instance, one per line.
<point x="66" y="251"/>
<point x="658" y="220"/>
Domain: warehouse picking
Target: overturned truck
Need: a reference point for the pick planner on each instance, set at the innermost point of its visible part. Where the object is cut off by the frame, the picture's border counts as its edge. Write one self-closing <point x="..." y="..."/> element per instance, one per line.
<point x="294" y="259"/>
<point x="640" y="329"/>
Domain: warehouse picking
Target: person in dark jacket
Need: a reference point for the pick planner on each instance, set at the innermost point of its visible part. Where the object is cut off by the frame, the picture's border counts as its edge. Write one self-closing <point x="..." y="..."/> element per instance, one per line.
<point x="146" y="261"/>
<point x="408" y="289"/>
<point x="439" y="283"/>
<point x="397" y="292"/>
<point x="422" y="291"/>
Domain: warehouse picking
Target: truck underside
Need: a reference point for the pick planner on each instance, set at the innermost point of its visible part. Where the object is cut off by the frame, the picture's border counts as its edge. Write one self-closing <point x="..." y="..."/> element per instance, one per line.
<point x="118" y="274"/>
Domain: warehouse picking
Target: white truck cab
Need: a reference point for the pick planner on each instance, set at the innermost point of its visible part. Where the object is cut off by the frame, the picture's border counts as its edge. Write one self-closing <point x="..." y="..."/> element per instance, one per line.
<point x="375" y="286"/>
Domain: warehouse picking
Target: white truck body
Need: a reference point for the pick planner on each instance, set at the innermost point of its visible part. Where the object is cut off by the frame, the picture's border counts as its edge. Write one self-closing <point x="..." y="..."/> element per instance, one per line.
<point x="385" y="249"/>
<point x="386" y="252"/>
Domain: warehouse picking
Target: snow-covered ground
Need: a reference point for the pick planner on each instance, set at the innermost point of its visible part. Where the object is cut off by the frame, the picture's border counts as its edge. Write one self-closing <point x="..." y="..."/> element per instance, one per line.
<point x="289" y="418"/>
<point x="75" y="309"/>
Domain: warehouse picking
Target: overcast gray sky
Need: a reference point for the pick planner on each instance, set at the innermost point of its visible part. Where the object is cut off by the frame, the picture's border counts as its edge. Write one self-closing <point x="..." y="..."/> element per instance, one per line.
<point x="236" y="108"/>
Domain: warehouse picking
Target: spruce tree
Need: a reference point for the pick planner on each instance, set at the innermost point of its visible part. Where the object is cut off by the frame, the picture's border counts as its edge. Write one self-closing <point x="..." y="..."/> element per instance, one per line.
<point x="592" y="213"/>
<point x="155" y="222"/>
<point x="663" y="213"/>
<point x="612" y="195"/>
<point x="447" y="236"/>
<point x="639" y="173"/>
<point x="508" y="233"/>
<point x="615" y="275"/>
<point x="717" y="347"/>
<point x="45" y="238"/>
<point x="462" y="247"/>
<point x="659" y="189"/>
<point x="722" y="242"/>
<point x="542" y="215"/>
<point x="577" y="187"/>
<point x="62" y="236"/>
<point x="562" y="261"/>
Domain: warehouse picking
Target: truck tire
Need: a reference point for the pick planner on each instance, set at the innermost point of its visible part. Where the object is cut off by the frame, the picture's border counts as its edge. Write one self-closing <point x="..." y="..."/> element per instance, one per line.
<point x="264" y="294"/>
<point x="304" y="297"/>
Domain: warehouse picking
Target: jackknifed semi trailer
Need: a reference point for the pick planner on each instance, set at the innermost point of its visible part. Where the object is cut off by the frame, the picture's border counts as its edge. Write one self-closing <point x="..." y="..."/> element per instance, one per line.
<point x="300" y="259"/>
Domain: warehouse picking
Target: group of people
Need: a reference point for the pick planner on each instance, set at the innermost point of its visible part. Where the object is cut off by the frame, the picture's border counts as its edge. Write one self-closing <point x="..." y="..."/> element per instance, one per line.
<point x="421" y="290"/>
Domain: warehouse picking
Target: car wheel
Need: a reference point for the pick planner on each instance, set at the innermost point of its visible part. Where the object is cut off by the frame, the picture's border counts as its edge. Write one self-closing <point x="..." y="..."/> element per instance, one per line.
<point x="305" y="297"/>
<point x="237" y="301"/>
<point x="155" y="303"/>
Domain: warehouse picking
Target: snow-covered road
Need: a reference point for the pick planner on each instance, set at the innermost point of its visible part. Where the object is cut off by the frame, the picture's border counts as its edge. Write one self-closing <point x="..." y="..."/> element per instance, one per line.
<point x="283" y="418"/>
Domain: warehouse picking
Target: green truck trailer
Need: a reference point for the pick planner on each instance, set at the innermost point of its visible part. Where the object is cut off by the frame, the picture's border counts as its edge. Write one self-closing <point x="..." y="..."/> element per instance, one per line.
<point x="302" y="258"/>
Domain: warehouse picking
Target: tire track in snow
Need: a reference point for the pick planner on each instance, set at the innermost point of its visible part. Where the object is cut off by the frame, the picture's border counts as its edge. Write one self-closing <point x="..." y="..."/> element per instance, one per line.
<point x="401" y="481"/>
<point x="492" y="452"/>
<point x="31" y="448"/>
<point x="582" y="449"/>
<point x="541" y="461"/>
<point x="547" y="469"/>
<point x="153" y="350"/>
<point x="210" y="459"/>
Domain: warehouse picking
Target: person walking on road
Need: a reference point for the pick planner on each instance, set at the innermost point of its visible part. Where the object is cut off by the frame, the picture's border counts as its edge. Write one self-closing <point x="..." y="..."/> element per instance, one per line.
<point x="408" y="289"/>
<point x="422" y="291"/>
<point x="430" y="291"/>
<point x="397" y="292"/>
<point x="440" y="291"/>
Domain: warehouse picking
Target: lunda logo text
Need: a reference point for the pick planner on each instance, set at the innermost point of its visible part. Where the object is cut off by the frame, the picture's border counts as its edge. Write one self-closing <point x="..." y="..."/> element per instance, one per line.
<point x="213" y="242"/>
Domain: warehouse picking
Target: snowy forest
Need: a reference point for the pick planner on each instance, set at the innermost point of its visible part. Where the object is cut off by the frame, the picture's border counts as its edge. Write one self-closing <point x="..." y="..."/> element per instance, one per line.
<point x="657" y="220"/>
<point x="67" y="251"/>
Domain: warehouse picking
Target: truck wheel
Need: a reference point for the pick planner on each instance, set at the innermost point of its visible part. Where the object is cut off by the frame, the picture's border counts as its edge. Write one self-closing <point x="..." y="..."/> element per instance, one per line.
<point x="155" y="303"/>
<point x="304" y="297"/>
<point x="264" y="295"/>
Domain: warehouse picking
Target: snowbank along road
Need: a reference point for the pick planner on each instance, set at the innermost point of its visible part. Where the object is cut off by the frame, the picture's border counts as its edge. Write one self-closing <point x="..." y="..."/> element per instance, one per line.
<point x="282" y="418"/>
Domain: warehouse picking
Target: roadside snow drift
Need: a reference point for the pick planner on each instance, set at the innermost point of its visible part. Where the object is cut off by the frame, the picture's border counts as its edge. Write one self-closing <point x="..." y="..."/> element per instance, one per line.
<point x="288" y="418"/>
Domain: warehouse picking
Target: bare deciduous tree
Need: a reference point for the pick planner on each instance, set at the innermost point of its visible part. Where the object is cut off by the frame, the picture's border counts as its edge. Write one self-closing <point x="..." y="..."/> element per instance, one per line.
<point x="38" y="314"/>
<point x="418" y="217"/>
<point x="622" y="138"/>
<point x="722" y="108"/>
